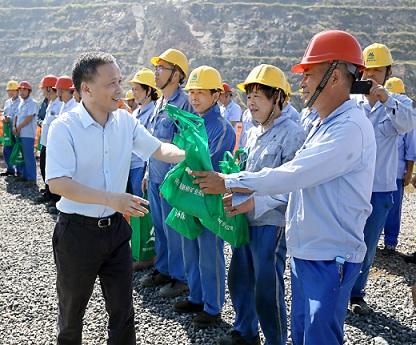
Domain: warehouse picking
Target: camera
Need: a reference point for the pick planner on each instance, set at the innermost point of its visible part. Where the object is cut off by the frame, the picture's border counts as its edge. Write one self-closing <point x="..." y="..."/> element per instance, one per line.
<point x="361" y="87"/>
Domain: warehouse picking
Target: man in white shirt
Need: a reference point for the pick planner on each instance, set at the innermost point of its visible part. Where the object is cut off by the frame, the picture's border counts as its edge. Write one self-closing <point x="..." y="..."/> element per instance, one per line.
<point x="89" y="152"/>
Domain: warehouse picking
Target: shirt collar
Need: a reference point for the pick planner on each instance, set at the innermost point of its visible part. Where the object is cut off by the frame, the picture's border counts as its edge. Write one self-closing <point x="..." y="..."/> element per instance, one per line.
<point x="87" y="120"/>
<point x="276" y="122"/>
<point x="56" y="101"/>
<point x="341" y="109"/>
<point x="147" y="107"/>
<point x="175" y="94"/>
<point x="362" y="100"/>
<point x="212" y="112"/>
<point x="27" y="99"/>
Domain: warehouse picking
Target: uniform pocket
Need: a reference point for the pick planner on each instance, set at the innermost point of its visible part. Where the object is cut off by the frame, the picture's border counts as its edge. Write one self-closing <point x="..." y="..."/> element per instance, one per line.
<point x="271" y="155"/>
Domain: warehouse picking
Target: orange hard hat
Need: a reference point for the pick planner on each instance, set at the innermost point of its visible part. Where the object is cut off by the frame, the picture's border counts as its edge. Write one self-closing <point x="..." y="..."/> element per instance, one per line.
<point x="25" y="85"/>
<point x="64" y="82"/>
<point x="49" y="80"/>
<point x="332" y="45"/>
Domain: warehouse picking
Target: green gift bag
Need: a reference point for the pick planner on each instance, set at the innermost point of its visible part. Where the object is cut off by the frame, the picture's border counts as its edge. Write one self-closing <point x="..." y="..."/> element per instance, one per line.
<point x="229" y="163"/>
<point x="143" y="237"/>
<point x="234" y="230"/>
<point x="16" y="157"/>
<point x="39" y="145"/>
<point x="188" y="226"/>
<point x="177" y="187"/>
<point x="7" y="134"/>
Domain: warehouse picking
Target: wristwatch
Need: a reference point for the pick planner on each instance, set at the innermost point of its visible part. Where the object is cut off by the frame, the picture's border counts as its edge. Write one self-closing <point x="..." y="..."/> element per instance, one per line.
<point x="228" y="190"/>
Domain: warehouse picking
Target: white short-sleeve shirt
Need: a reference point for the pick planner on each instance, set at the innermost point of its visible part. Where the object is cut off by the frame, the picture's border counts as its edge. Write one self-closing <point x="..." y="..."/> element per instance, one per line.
<point x="98" y="157"/>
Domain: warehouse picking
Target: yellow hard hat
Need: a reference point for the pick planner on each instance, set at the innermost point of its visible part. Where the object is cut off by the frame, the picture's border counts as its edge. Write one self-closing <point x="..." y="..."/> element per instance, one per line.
<point x="129" y="96"/>
<point x="12" y="85"/>
<point x="267" y="75"/>
<point x="395" y="85"/>
<point x="145" y="76"/>
<point x="175" y="57"/>
<point x="206" y="78"/>
<point x="377" y="55"/>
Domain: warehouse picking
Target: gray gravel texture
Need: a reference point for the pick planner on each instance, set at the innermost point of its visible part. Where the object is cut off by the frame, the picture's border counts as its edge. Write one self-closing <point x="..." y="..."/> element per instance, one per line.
<point x="29" y="305"/>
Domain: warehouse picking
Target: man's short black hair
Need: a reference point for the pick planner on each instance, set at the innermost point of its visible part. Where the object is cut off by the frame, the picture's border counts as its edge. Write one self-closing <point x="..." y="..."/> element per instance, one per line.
<point x="85" y="67"/>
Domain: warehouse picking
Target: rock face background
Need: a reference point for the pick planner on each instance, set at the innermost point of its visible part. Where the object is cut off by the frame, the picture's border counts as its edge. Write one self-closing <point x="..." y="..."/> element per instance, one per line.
<point x="42" y="37"/>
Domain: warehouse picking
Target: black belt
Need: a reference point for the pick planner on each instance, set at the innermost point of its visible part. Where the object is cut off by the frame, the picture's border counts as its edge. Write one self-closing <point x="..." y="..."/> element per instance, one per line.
<point x="100" y="222"/>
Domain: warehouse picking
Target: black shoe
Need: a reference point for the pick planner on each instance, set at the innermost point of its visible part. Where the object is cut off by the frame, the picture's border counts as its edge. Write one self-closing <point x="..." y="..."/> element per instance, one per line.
<point x="410" y="259"/>
<point x="388" y="250"/>
<point x="173" y="289"/>
<point x="204" y="320"/>
<point x="7" y="173"/>
<point x="43" y="198"/>
<point x="186" y="306"/>
<point x="359" y="306"/>
<point x="52" y="210"/>
<point x="51" y="203"/>
<point x="235" y="338"/>
<point x="154" y="279"/>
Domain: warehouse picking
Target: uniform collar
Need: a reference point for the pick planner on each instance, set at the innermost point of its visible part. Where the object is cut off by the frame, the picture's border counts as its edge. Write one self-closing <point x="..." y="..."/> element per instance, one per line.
<point x="341" y="109"/>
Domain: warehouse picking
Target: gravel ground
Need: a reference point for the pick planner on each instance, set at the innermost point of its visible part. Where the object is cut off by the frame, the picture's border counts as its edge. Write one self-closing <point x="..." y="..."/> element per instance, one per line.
<point x="28" y="298"/>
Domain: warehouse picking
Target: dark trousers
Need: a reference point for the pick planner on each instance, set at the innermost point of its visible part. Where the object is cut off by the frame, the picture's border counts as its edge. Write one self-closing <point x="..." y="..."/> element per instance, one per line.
<point x="83" y="252"/>
<point x="42" y="166"/>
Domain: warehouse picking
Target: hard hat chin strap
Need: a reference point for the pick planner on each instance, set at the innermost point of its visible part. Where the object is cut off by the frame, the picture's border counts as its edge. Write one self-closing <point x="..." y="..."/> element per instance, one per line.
<point x="268" y="119"/>
<point x="169" y="79"/>
<point x="274" y="109"/>
<point x="322" y="84"/>
<point x="143" y="100"/>
<point x="388" y="68"/>
<point x="210" y="107"/>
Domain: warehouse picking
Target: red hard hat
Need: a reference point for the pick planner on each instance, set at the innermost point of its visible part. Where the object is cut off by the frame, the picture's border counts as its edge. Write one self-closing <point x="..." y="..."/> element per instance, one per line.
<point x="330" y="46"/>
<point x="24" y="85"/>
<point x="49" y="80"/>
<point x="226" y="87"/>
<point x="64" y="82"/>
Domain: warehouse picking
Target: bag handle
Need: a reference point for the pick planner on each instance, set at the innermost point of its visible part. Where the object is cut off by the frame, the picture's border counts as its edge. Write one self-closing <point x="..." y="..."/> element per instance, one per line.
<point x="228" y="165"/>
<point x="184" y="118"/>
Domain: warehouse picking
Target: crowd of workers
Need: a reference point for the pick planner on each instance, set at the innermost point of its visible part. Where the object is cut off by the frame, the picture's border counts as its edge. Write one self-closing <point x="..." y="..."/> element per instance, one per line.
<point x="318" y="186"/>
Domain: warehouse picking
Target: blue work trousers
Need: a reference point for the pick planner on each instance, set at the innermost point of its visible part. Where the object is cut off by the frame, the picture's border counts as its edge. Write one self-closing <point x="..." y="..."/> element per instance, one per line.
<point x="29" y="167"/>
<point x="392" y="225"/>
<point x="134" y="182"/>
<point x="382" y="203"/>
<point x="320" y="295"/>
<point x="168" y="242"/>
<point x="255" y="281"/>
<point x="205" y="269"/>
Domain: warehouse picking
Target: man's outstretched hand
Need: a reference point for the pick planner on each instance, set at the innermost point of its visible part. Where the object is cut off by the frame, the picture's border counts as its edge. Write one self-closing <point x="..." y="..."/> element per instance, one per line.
<point x="210" y="182"/>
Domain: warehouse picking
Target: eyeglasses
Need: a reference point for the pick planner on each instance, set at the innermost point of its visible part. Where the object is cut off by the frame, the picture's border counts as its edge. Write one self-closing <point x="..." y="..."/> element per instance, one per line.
<point x="160" y="68"/>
